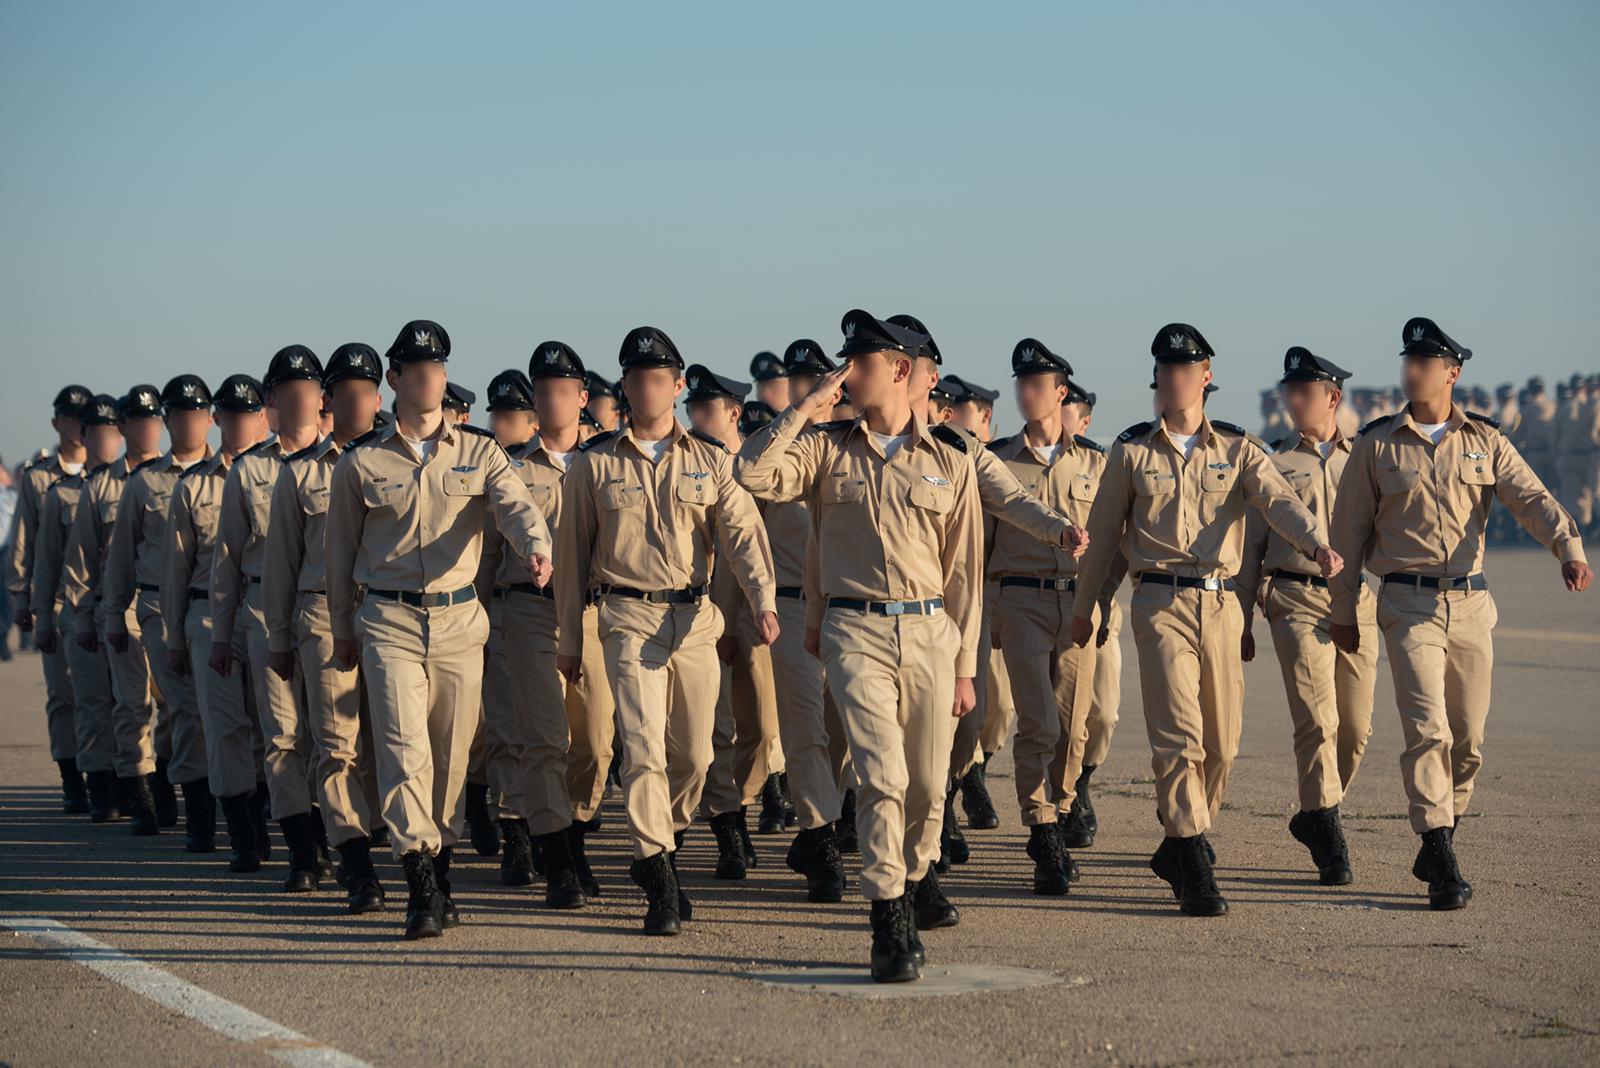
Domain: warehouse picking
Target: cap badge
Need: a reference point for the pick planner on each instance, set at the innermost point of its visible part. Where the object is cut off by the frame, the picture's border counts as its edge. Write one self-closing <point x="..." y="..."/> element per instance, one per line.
<point x="552" y="355"/>
<point x="422" y="338"/>
<point x="643" y="342"/>
<point x="1294" y="361"/>
<point x="191" y="390"/>
<point x="849" y="330"/>
<point x="1028" y="354"/>
<point x="1418" y="332"/>
<point x="1175" y="340"/>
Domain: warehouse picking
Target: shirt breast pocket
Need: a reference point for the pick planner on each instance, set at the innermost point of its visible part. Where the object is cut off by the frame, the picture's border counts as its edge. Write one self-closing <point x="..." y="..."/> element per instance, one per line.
<point x="1396" y="481"/>
<point x="463" y="483"/>
<point x="930" y="498"/>
<point x="699" y="491"/>
<point x="204" y="514"/>
<point x="1300" y="482"/>
<point x="1153" y="484"/>
<point x="390" y="496"/>
<point x="155" y="508"/>
<point x="1476" y="471"/>
<point x="260" y="500"/>
<point x="844" y="505"/>
<point x="1084" y="489"/>
<point x="1219" y="480"/>
<point x="620" y="497"/>
<point x="314" y="500"/>
<point x="108" y="512"/>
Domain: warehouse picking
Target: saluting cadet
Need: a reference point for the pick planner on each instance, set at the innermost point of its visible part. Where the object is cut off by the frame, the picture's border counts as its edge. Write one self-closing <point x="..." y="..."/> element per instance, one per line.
<point x="294" y="607"/>
<point x="1412" y="505"/>
<point x="898" y="585"/>
<point x="88" y="669"/>
<point x="143" y="747"/>
<point x="745" y="754"/>
<point x="1052" y="679"/>
<point x="646" y="513"/>
<point x="136" y="562"/>
<point x="405" y="521"/>
<point x="1172" y="499"/>
<point x="36" y="479"/>
<point x="227" y="708"/>
<point x="293" y="388"/>
<point x="1329" y="690"/>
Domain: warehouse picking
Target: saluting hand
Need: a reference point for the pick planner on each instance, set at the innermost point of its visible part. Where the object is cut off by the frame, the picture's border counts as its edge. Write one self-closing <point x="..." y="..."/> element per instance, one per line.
<point x="1576" y="575"/>
<point x="281" y="665"/>
<point x="966" y="698"/>
<point x="767" y="627"/>
<point x="570" y="668"/>
<point x="1330" y="562"/>
<point x="88" y="642"/>
<point x="1082" y="631"/>
<point x="1075" y="540"/>
<point x="118" y="640"/>
<point x="222" y="658"/>
<point x="1347" y="636"/>
<point x="539" y="567"/>
<point x="823" y="391"/>
<point x="346" y="653"/>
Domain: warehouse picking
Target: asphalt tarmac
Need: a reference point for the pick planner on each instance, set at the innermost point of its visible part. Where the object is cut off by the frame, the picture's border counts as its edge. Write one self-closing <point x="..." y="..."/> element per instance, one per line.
<point x="147" y="955"/>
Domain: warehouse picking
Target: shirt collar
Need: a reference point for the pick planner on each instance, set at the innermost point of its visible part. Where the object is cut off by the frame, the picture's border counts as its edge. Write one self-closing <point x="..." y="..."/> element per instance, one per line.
<point x="674" y="436"/>
<point x="1454" y="421"/>
<point x="1203" y="436"/>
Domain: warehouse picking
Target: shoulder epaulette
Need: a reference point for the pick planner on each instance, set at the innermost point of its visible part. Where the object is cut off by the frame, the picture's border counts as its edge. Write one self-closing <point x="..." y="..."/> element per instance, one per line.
<point x="257" y="447"/>
<point x="1382" y="419"/>
<point x="147" y="463"/>
<point x="1257" y="442"/>
<point x="951" y="437"/>
<point x="1277" y="446"/>
<point x="34" y="464"/>
<point x="1480" y="417"/>
<point x="833" y="424"/>
<point x="598" y="439"/>
<point x="478" y="430"/>
<point x="98" y="468"/>
<point x="363" y="439"/>
<point x="1232" y="428"/>
<point x="1088" y="443"/>
<point x="58" y="480"/>
<point x="303" y="453"/>
<point x="708" y="439"/>
<point x="1134" y="431"/>
<point x="192" y="468"/>
<point x="999" y="443"/>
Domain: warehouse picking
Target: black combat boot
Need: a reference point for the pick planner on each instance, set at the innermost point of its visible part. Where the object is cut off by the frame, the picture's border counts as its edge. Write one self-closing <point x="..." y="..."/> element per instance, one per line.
<point x="326" y="868"/>
<point x="199" y="818"/>
<point x="750" y="858"/>
<point x="364" y="891"/>
<point x="1200" y="895"/>
<point x="74" y="794"/>
<point x="814" y="855"/>
<point x="1454" y="827"/>
<point x="425" y="906"/>
<point x="1050" y="860"/>
<point x="844" y="830"/>
<point x="448" y="915"/>
<point x="730" y="848"/>
<point x="614" y="773"/>
<point x="930" y="907"/>
<point x="1165" y="864"/>
<point x="952" y="843"/>
<point x="102" y="797"/>
<point x="261" y="816"/>
<point x="484" y="832"/>
<point x="535" y="852"/>
<point x="685" y="907"/>
<point x="141" y="806"/>
<point x="379" y="837"/>
<point x="1078" y="827"/>
<point x="1320" y="832"/>
<point x="893" y="959"/>
<point x="301" y="842"/>
<point x="1073" y="873"/>
<point x="1436" y="865"/>
<point x="791" y="818"/>
<point x="241" y="833"/>
<point x="166" y="797"/>
<point x="516" y="858"/>
<point x="120" y="795"/>
<point x="975" y="799"/>
<point x="580" y="860"/>
<point x="659" y="882"/>
<point x="772" y="815"/>
<point x="562" y="890"/>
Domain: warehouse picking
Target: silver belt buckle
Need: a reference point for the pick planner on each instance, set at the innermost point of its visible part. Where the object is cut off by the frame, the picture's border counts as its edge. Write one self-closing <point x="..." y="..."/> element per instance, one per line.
<point x="1211" y="584"/>
<point x="894" y="608"/>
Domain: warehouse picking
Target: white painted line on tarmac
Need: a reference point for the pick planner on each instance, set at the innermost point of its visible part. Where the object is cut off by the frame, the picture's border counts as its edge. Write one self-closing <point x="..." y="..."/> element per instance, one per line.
<point x="202" y="1006"/>
<point x="936" y="981"/>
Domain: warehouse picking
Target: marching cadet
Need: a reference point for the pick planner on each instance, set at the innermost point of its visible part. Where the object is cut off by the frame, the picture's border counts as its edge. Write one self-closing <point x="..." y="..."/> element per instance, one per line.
<point x="646" y="512"/>
<point x="1577" y="425"/>
<point x="458" y="402"/>
<point x="971" y="406"/>
<point x="1078" y="823"/>
<point x="1412" y="505"/>
<point x="601" y="407"/>
<point x="231" y="730"/>
<point x="89" y="671"/>
<point x="136" y="560"/>
<point x="1329" y="690"/>
<point x="293" y="386"/>
<point x="294" y="608"/>
<point x="745" y="756"/>
<point x="771" y="378"/>
<point x="1537" y="431"/>
<point x="1052" y="679"/>
<point x="1172" y="499"/>
<point x="143" y="746"/>
<point x="897" y="577"/>
<point x="405" y="522"/>
<point x="37" y="477"/>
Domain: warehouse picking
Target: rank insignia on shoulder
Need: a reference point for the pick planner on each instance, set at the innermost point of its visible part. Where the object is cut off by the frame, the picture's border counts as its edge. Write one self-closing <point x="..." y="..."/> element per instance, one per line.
<point x="1134" y="431"/>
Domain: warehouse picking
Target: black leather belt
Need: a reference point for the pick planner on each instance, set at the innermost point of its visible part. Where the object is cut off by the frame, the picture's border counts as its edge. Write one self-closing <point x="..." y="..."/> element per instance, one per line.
<point x="426" y="600"/>
<point x="198" y="595"/>
<point x="1187" y="582"/>
<point x="687" y="595"/>
<point x="149" y="587"/>
<point x="1069" y="585"/>
<point x="797" y="593"/>
<point x="527" y="587"/>
<point x="1295" y="576"/>
<point x="889" y="608"/>
<point x="1439" y="582"/>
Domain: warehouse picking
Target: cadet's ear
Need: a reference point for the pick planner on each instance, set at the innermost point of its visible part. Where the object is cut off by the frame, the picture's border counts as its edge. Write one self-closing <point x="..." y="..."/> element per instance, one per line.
<point x="392" y="376"/>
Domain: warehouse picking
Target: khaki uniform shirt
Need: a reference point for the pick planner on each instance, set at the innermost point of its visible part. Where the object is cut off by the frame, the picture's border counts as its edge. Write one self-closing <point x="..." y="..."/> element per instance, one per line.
<point x="396" y="523"/>
<point x="90" y="541"/>
<point x="1186" y="517"/>
<point x="56" y="512"/>
<point x="192" y="539"/>
<point x="908" y="528"/>
<point x="1406" y="504"/>
<point x="1066" y="485"/>
<point x="1316" y="482"/>
<point x="542" y="473"/>
<point x="292" y="560"/>
<point x="242" y="529"/>
<point x="628" y="520"/>
<point x="137" y="555"/>
<point x="36" y="478"/>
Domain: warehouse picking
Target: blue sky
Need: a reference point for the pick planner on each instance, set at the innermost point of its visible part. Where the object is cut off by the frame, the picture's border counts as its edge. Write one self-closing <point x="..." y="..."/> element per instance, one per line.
<point x="189" y="187"/>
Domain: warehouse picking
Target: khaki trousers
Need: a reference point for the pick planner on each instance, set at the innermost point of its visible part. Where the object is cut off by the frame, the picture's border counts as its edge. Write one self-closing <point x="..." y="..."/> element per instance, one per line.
<point x="1329" y="690"/>
<point x="496" y="753"/>
<point x="1000" y="710"/>
<point x="813" y="736"/>
<point x="1193" y="685"/>
<point x="662" y="664"/>
<point x="1107" y="689"/>
<point x="90" y="675"/>
<point x="1575" y="472"/>
<point x="289" y="751"/>
<point x="965" y="743"/>
<point x="138" y="732"/>
<point x="1441" y="654"/>
<point x="591" y="725"/>
<point x="339" y="726"/>
<point x="423" y="670"/>
<point x="744" y="738"/>
<point x="232" y="730"/>
<point x="183" y="724"/>
<point x="893" y="678"/>
<point x="1052" y="684"/>
<point x="60" y="715"/>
